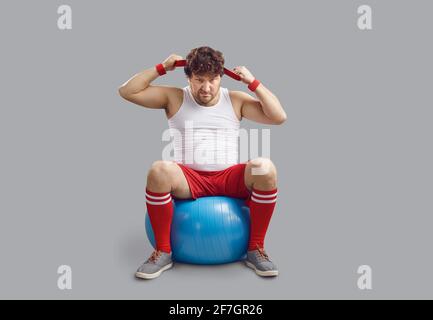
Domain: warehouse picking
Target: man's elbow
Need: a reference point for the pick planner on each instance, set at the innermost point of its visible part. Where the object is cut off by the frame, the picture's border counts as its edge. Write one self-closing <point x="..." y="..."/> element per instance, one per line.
<point x="281" y="119"/>
<point x="121" y="91"/>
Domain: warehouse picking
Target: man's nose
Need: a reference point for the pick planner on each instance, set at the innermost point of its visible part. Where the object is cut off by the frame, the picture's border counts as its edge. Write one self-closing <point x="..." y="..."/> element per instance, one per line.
<point x="205" y="87"/>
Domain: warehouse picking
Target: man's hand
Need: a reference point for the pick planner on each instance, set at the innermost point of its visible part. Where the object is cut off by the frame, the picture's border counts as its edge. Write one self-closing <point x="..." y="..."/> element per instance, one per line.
<point x="244" y="73"/>
<point x="169" y="62"/>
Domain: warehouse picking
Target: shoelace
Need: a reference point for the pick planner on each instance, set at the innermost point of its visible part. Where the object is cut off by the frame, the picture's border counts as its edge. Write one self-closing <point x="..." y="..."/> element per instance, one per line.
<point x="155" y="256"/>
<point x="262" y="254"/>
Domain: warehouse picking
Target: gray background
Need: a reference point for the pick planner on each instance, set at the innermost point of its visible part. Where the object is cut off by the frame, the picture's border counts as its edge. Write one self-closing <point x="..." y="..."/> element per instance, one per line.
<point x="354" y="157"/>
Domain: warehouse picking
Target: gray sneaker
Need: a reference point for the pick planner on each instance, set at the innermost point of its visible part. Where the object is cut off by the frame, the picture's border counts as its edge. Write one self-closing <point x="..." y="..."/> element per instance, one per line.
<point x="158" y="262"/>
<point x="260" y="262"/>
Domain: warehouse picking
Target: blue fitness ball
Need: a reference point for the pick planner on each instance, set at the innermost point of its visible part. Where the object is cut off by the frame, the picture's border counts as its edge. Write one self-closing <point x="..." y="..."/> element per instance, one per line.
<point x="208" y="230"/>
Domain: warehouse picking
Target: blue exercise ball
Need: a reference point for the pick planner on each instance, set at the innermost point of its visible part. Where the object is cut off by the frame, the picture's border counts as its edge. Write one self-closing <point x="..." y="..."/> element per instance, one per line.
<point x="208" y="230"/>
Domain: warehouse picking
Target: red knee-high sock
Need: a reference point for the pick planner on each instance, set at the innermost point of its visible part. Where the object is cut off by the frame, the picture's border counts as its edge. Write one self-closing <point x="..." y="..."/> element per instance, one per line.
<point x="160" y="210"/>
<point x="262" y="204"/>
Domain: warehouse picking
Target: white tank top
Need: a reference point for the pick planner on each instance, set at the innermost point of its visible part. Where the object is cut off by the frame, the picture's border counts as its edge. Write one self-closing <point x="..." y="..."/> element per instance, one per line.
<point x="205" y="138"/>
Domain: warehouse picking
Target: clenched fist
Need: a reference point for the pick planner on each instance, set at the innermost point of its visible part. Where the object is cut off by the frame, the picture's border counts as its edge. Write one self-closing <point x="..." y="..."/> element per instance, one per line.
<point x="169" y="62"/>
<point x="244" y="73"/>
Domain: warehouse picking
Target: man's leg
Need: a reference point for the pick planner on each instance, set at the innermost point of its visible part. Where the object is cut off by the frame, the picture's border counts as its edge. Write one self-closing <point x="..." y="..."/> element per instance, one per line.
<point x="165" y="178"/>
<point x="261" y="179"/>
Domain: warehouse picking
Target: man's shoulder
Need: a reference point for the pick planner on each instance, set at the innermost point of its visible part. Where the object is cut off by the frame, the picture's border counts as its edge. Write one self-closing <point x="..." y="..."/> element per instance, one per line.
<point x="175" y="98"/>
<point x="174" y="92"/>
<point x="172" y="89"/>
<point x="238" y="96"/>
<point x="235" y="94"/>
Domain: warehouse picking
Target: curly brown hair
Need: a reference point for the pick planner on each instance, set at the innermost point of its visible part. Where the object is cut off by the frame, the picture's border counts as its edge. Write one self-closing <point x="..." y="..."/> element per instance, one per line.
<point x="204" y="60"/>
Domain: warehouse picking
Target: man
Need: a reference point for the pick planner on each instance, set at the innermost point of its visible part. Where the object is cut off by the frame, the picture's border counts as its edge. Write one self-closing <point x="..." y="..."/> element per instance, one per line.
<point x="206" y="107"/>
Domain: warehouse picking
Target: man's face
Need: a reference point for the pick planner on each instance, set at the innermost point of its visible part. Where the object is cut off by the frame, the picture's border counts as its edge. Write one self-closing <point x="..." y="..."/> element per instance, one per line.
<point x="205" y="88"/>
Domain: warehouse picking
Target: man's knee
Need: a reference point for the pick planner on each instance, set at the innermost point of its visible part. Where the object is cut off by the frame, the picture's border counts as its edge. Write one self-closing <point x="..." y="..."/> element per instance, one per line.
<point x="263" y="169"/>
<point x="160" y="172"/>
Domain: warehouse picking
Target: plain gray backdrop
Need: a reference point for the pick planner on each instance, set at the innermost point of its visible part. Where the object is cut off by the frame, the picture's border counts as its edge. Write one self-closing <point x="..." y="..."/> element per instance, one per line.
<point x="354" y="157"/>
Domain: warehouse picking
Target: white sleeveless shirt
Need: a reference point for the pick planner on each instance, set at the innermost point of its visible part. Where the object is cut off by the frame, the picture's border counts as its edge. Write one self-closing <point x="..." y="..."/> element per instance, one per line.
<point x="205" y="138"/>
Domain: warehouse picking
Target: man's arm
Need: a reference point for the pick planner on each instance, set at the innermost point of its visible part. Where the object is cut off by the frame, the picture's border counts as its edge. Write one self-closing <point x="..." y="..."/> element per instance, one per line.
<point x="139" y="91"/>
<point x="266" y="108"/>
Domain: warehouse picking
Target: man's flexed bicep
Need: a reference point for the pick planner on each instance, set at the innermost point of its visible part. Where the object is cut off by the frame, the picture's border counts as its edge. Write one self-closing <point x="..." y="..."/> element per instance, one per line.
<point x="252" y="109"/>
<point x="154" y="97"/>
<point x="139" y="91"/>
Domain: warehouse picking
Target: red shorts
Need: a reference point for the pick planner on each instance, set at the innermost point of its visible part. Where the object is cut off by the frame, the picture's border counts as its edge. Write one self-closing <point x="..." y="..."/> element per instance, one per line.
<point x="228" y="182"/>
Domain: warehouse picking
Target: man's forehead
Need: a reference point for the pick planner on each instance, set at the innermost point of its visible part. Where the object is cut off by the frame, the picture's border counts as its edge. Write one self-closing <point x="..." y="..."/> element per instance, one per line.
<point x="205" y="76"/>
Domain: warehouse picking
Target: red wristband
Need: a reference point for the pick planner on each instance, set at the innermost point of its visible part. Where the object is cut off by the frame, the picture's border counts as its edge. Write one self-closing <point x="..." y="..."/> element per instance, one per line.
<point x="160" y="68"/>
<point x="253" y="85"/>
